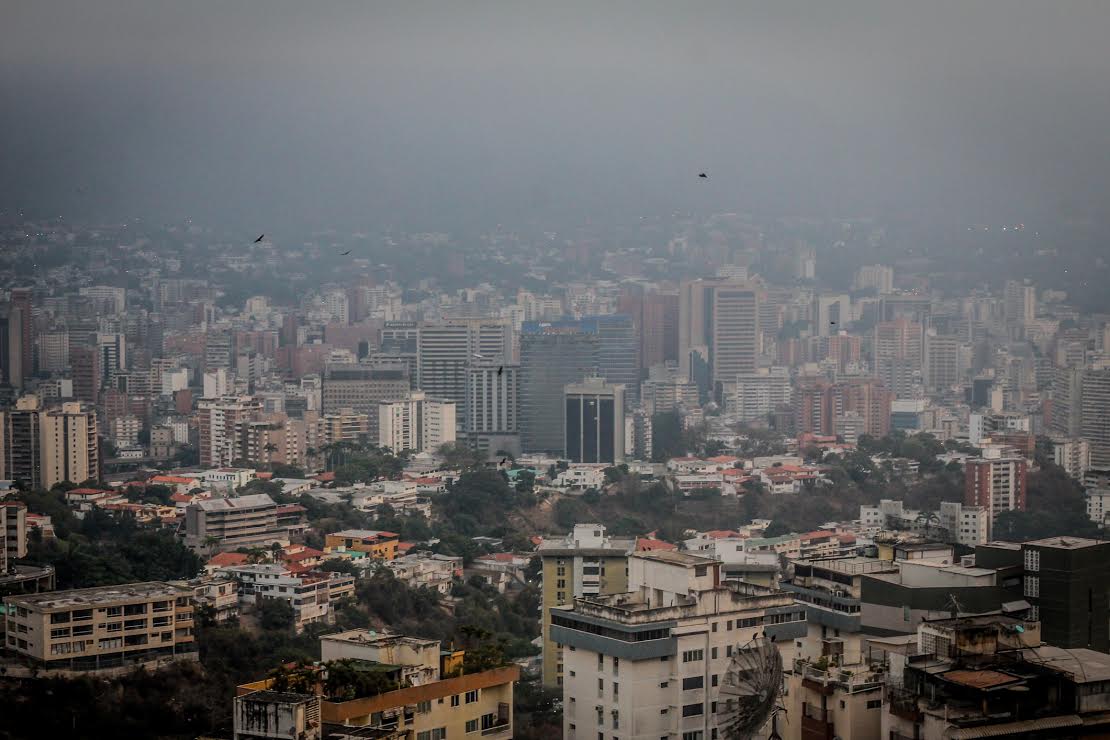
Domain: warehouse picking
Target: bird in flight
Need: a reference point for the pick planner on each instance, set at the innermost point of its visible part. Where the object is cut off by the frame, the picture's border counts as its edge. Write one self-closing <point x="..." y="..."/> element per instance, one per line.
<point x="260" y="238"/>
<point x="345" y="253"/>
<point x="500" y="370"/>
<point x="703" y="176"/>
<point x="832" y="323"/>
<point x="504" y="460"/>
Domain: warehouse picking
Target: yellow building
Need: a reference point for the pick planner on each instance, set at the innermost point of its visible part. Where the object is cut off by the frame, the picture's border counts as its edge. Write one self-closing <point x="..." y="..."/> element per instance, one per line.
<point x="375" y="543"/>
<point x="434" y="700"/>
<point x="107" y="627"/>
<point x="826" y="700"/>
<point x="584" y="563"/>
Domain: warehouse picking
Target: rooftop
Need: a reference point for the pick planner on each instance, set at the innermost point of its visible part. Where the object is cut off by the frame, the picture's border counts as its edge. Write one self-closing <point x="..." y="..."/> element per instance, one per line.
<point x="1067" y="543"/>
<point x="241" y="502"/>
<point x="675" y="557"/>
<point x="379" y="639"/>
<point x="84" y="597"/>
<point x="365" y="534"/>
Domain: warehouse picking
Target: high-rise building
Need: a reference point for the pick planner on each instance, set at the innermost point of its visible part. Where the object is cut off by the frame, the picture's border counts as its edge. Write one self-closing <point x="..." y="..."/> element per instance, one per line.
<point x="112" y="348"/>
<point x="446" y="350"/>
<point x="217" y="419"/>
<point x="831" y="314"/>
<point x="493" y="401"/>
<point x="85" y="370"/>
<point x="1095" y="413"/>
<point x="416" y="422"/>
<point x="70" y="445"/>
<point x="594" y="422"/>
<point x="897" y="351"/>
<point x="721" y="315"/>
<point x="53" y="351"/>
<point x="550" y="359"/>
<point x="21" y="301"/>
<point x="586" y="562"/>
<point x="361" y="387"/>
<point x="818" y="404"/>
<point x="653" y="662"/>
<point x="1020" y="302"/>
<point x="22" y="442"/>
<point x="996" y="484"/>
<point x="217" y="351"/>
<point x="1073" y="454"/>
<point x="13" y="533"/>
<point x="759" y="393"/>
<point x="942" y="361"/>
<point x="12" y="369"/>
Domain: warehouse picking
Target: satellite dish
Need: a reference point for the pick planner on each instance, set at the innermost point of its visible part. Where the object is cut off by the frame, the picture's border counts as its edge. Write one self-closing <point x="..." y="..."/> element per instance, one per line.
<point x="749" y="694"/>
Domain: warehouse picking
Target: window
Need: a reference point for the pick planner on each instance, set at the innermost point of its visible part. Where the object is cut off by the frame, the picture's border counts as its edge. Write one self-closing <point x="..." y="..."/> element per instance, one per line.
<point x="455" y="700"/>
<point x="728" y="651"/>
<point x="616" y="690"/>
<point x="573" y="674"/>
<point x="600" y="662"/>
<point x="616" y="666"/>
<point x="1035" y="613"/>
<point x="728" y="625"/>
<point x="693" y="682"/>
<point x="713" y="653"/>
<point x="700" y="570"/>
<point x="59" y="617"/>
<point x="663" y="710"/>
<point x="713" y="627"/>
<point x="423" y="706"/>
<point x="713" y="707"/>
<point x="63" y="632"/>
<point x="693" y="710"/>
<point x="600" y="716"/>
<point x="472" y="696"/>
<point x="471" y="726"/>
<point x="696" y="735"/>
<point x="616" y="720"/>
<point x="83" y="631"/>
<point x="115" y="611"/>
<point x="601" y="687"/>
<point x="1033" y="586"/>
<point x="664" y="684"/>
<point x="713" y="680"/>
<point x="690" y="656"/>
<point x="875" y="704"/>
<point x="1032" y="559"/>
<point x="561" y="583"/>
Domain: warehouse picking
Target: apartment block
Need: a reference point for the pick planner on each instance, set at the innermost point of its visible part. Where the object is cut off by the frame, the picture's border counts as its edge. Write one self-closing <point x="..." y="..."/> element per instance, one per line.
<point x="13" y="533"/>
<point x="230" y="523"/>
<point x="649" y="663"/>
<point x="416" y="422"/>
<point x="586" y="562"/>
<point x="375" y="543"/>
<point x="107" y="627"/>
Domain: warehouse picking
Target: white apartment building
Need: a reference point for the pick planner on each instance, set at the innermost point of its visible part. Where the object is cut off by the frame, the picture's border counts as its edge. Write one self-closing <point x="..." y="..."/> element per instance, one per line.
<point x="966" y="525"/>
<point x="648" y="664"/>
<point x="416" y="422"/>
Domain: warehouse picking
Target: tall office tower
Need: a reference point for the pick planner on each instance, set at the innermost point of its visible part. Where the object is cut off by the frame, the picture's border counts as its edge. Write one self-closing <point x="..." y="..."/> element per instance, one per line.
<point x="1095" y="414"/>
<point x="654" y="317"/>
<point x="942" y="361"/>
<point x="416" y="422"/>
<point x="586" y="562"/>
<point x="551" y="359"/>
<point x="337" y="306"/>
<point x="216" y="420"/>
<point x="13" y="533"/>
<point x="666" y="395"/>
<point x="641" y="435"/>
<point x="217" y="351"/>
<point x="111" y="300"/>
<point x="11" y="347"/>
<point x="897" y="351"/>
<point x="842" y="349"/>
<point x="53" y="351"/>
<point x="880" y="278"/>
<point x="831" y="313"/>
<point x="594" y="422"/>
<point x="619" y="358"/>
<point x="21" y="299"/>
<point x="759" y="393"/>
<point x="70" y="447"/>
<point x="1020" y="298"/>
<point x="112" y="348"/>
<point x="446" y="350"/>
<point x="997" y="484"/>
<point x="653" y="662"/>
<point x="723" y="316"/>
<point x="85" y="371"/>
<point x="289" y="330"/>
<point x="22" y="442"/>
<point x="493" y="400"/>
<point x="361" y="387"/>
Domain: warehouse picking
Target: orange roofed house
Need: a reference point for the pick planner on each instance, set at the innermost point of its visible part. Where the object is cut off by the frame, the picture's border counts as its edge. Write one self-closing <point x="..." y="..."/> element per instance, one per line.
<point x="373" y="542"/>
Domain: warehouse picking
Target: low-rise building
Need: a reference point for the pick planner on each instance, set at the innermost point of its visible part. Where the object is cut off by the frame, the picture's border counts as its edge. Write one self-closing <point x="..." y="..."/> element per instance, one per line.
<point x="424" y="693"/>
<point x="308" y="594"/>
<point x="98" y="628"/>
<point x="375" y="543"/>
<point x="428" y="570"/>
<point x="219" y="524"/>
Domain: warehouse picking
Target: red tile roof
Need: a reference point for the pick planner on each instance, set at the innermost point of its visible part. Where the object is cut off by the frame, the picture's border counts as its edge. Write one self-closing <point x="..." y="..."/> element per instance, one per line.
<point x="227" y="558"/>
<point x="644" y="544"/>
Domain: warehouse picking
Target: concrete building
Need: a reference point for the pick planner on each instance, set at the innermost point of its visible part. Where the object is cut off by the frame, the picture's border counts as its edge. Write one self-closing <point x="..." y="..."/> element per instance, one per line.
<point x="274" y="715"/>
<point x="648" y="663"/>
<point x="1073" y="454"/>
<point x="43" y="446"/>
<point x="308" y="594"/>
<point x="593" y="421"/>
<point x="759" y="393"/>
<point x="584" y="563"/>
<point x="493" y="404"/>
<point x="427" y="694"/>
<point x="416" y="422"/>
<point x="360" y="388"/>
<point x="965" y="525"/>
<point x="898" y="352"/>
<point x="375" y="543"/>
<point x="550" y="360"/>
<point x="107" y="627"/>
<point x="943" y="365"/>
<point x="833" y="697"/>
<point x="217" y="420"/>
<point x="722" y="315"/>
<point x="13" y="533"/>
<point x="879" y="278"/>
<point x="220" y="524"/>
<point x="996" y="484"/>
<point x="447" y="349"/>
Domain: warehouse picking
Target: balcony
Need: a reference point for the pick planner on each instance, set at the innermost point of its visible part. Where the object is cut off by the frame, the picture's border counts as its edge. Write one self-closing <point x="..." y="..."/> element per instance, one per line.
<point x="502" y="730"/>
<point x="817" y="723"/>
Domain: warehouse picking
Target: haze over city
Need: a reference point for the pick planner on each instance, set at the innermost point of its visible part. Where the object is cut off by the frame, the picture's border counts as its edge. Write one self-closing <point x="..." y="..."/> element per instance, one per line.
<point x="629" y="370"/>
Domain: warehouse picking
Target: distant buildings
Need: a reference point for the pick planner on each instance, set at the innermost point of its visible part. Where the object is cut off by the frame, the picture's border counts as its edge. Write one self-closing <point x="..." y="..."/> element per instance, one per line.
<point x="360" y="388"/>
<point x="416" y="422"/>
<point x="594" y="422"/>
<point x="996" y="484"/>
<point x="44" y="446"/>
<point x="549" y="361"/>
<point x="230" y="523"/>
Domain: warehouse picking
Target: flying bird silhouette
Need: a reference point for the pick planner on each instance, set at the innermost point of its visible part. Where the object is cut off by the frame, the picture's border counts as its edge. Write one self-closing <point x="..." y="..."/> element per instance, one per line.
<point x="504" y="460"/>
<point x="260" y="238"/>
<point x="500" y="370"/>
<point x="703" y="176"/>
<point x="345" y="253"/>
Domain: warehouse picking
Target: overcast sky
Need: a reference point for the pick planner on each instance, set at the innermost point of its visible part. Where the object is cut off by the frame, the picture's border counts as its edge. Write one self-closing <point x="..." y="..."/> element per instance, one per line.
<point x="433" y="114"/>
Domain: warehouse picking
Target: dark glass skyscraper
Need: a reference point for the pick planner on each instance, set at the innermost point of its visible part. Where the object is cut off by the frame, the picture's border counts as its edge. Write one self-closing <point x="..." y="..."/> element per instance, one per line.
<point x="550" y="359"/>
